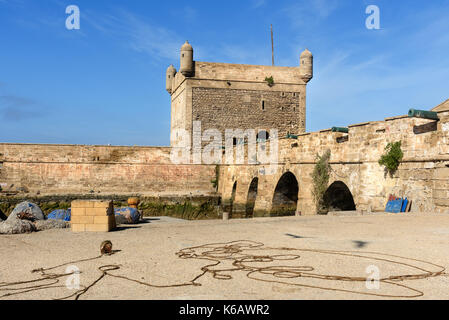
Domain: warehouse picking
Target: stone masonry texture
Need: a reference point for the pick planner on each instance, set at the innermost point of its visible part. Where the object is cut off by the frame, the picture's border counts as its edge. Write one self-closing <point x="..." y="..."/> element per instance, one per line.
<point x="264" y="110"/>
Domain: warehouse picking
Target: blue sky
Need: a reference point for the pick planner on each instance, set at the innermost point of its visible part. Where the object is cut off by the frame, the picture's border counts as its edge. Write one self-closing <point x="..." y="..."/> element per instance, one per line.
<point x="105" y="83"/>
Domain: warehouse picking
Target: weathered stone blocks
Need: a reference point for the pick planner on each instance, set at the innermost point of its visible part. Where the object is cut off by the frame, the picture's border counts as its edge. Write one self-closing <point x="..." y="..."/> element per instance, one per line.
<point x="93" y="216"/>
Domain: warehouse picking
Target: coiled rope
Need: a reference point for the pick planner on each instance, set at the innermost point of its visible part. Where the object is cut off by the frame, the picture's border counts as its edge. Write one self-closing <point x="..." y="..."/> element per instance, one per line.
<point x="245" y="256"/>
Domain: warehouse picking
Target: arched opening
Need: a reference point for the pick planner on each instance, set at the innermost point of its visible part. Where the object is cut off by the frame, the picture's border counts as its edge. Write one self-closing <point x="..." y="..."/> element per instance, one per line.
<point x="252" y="195"/>
<point x="234" y="189"/>
<point x="285" y="197"/>
<point x="263" y="136"/>
<point x="338" y="197"/>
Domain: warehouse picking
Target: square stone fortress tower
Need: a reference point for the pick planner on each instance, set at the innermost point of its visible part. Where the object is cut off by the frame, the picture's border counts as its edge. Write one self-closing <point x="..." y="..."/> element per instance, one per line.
<point x="236" y="96"/>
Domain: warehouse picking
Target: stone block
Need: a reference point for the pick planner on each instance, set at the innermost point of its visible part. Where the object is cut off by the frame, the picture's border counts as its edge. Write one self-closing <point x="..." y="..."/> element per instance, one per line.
<point x="83" y="219"/>
<point x="102" y="204"/>
<point x="78" y="227"/>
<point x="82" y="204"/>
<point x="78" y="212"/>
<point x="93" y="216"/>
<point x="98" y="227"/>
<point x="103" y="219"/>
<point x="98" y="212"/>
<point x="441" y="202"/>
<point x="441" y="174"/>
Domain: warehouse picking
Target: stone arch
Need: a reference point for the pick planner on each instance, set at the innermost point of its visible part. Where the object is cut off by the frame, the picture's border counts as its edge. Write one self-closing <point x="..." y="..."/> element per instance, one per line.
<point x="234" y="191"/>
<point x="252" y="196"/>
<point x="263" y="135"/>
<point x="285" y="197"/>
<point x="338" y="197"/>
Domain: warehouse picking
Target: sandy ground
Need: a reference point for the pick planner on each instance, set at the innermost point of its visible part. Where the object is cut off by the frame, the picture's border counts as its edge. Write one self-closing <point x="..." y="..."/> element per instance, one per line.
<point x="148" y="254"/>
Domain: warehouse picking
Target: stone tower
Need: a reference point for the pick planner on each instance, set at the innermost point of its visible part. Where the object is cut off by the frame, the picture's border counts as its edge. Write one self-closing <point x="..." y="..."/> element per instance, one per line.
<point x="170" y="76"/>
<point x="237" y="96"/>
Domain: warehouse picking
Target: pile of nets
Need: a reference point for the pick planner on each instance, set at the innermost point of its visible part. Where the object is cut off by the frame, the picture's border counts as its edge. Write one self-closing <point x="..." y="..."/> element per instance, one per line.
<point x="29" y="208"/>
<point x="51" y="224"/>
<point x="28" y="217"/>
<point x="127" y="215"/>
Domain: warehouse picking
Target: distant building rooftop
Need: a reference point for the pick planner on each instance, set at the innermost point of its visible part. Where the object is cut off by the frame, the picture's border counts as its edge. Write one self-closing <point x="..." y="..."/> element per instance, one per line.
<point x="442" y="107"/>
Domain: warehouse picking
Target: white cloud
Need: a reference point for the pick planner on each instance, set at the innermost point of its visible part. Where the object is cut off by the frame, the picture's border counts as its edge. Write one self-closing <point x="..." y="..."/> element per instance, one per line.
<point x="137" y="34"/>
<point x="309" y="12"/>
<point x="258" y="3"/>
<point x="162" y="43"/>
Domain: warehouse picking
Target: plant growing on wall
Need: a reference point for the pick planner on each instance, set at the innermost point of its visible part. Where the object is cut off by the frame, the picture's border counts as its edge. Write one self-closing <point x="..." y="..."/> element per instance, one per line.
<point x="217" y="176"/>
<point x="270" y="81"/>
<point x="392" y="157"/>
<point x="320" y="179"/>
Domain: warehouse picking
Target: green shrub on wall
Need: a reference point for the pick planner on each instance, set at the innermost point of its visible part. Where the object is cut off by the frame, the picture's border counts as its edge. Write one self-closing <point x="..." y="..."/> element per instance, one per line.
<point x="217" y="177"/>
<point x="270" y="81"/>
<point x="392" y="157"/>
<point x="320" y="178"/>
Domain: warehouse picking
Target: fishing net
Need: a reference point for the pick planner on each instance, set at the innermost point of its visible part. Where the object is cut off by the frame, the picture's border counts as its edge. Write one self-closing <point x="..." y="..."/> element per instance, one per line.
<point x="127" y="215"/>
<point x="27" y="217"/>
<point x="29" y="208"/>
<point x="42" y="225"/>
<point x="16" y="226"/>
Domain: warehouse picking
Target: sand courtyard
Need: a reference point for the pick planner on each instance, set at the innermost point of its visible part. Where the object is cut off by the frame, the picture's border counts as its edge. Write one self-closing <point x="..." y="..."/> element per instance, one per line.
<point x="291" y="258"/>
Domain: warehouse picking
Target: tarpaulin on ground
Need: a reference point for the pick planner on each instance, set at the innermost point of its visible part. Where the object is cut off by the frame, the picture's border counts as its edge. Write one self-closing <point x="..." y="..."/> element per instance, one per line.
<point x="60" y="214"/>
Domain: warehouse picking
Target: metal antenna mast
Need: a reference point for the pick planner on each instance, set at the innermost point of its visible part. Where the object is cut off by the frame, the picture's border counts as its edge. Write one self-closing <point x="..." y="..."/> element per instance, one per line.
<point x="272" y="46"/>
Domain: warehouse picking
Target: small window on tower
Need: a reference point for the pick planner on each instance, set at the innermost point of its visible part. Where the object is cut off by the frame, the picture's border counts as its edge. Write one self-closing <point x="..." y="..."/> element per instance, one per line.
<point x="263" y="136"/>
<point x="263" y="105"/>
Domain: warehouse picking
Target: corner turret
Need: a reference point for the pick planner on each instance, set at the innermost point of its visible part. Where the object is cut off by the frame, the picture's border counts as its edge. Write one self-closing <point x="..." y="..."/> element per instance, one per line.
<point x="170" y="77"/>
<point x="187" y="68"/>
<point x="306" y="65"/>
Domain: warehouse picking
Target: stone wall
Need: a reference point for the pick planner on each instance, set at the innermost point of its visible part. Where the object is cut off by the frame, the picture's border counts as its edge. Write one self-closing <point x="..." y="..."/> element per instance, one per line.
<point x="245" y="72"/>
<point x="423" y="175"/>
<point x="248" y="109"/>
<point x="65" y="169"/>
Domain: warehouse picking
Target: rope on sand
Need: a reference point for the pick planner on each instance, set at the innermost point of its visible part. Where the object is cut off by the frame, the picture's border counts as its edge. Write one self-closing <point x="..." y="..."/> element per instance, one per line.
<point x="252" y="259"/>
